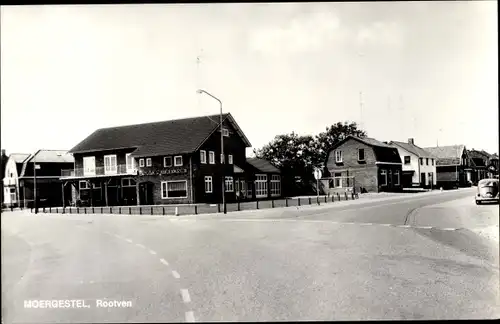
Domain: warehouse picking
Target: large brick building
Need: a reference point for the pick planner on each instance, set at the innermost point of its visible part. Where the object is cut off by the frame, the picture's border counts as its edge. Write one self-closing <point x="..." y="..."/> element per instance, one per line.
<point x="363" y="164"/>
<point x="169" y="162"/>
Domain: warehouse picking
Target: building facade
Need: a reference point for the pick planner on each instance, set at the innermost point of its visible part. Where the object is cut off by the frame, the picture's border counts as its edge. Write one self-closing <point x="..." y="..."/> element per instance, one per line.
<point x="453" y="166"/>
<point x="11" y="185"/>
<point x="171" y="162"/>
<point x="419" y="166"/>
<point x="363" y="165"/>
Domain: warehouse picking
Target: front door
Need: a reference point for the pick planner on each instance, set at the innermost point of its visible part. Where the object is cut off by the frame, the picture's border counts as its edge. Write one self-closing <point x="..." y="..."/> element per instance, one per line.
<point x="422" y="179"/>
<point x="146" y="193"/>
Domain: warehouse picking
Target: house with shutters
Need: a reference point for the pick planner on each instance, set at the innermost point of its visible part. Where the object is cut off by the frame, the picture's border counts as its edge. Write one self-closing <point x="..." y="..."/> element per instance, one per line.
<point x="453" y="166"/>
<point x="363" y="165"/>
<point x="169" y="162"/>
<point x="419" y="166"/>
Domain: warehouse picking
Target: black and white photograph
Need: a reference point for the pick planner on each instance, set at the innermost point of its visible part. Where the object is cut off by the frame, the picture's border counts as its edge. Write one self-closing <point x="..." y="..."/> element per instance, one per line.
<point x="249" y="162"/>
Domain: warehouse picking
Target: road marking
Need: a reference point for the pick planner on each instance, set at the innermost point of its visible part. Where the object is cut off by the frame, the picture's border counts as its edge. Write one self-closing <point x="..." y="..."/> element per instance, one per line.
<point x="176" y="274"/>
<point x="387" y="225"/>
<point x="164" y="262"/>
<point x="185" y="296"/>
<point x="424" y="227"/>
<point x="404" y="226"/>
<point x="140" y="245"/>
<point x="129" y="240"/>
<point x="152" y="252"/>
<point x="190" y="317"/>
<point x="449" y="229"/>
<point x="367" y="224"/>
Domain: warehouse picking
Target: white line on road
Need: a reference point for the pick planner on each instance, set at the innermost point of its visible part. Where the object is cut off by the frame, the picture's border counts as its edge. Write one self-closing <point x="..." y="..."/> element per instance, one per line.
<point x="449" y="229"/>
<point x="164" y="262"/>
<point x="176" y="274"/>
<point x="366" y="224"/>
<point x="388" y="225"/>
<point x="140" y="245"/>
<point x="424" y="227"/>
<point x="190" y="317"/>
<point x="404" y="226"/>
<point x="129" y="240"/>
<point x="185" y="296"/>
<point x="152" y="252"/>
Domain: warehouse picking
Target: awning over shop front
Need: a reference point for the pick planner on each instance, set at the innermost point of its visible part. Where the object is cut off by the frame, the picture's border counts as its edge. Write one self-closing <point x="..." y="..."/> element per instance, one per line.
<point x="237" y="169"/>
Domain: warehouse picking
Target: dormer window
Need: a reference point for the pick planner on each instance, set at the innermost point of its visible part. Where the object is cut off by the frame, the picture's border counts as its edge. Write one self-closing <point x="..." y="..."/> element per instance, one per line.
<point x="225" y="132"/>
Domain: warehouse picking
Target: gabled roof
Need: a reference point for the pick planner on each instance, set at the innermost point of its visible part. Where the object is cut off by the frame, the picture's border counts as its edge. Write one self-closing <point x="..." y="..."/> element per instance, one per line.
<point x="158" y="138"/>
<point x="47" y="156"/>
<point x="383" y="151"/>
<point x="51" y="156"/>
<point x="412" y="148"/>
<point x="447" y="155"/>
<point x="262" y="165"/>
<point x="19" y="157"/>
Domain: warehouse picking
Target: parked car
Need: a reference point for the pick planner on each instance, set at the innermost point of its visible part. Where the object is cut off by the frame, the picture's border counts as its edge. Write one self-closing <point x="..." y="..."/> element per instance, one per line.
<point x="487" y="191"/>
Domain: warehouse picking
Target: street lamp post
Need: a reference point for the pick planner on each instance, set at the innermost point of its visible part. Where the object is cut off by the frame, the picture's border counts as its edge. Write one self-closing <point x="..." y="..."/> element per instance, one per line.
<point x="200" y="91"/>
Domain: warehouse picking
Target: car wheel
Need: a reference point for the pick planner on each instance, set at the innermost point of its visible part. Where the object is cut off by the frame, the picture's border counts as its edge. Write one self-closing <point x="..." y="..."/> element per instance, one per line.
<point x="478" y="202"/>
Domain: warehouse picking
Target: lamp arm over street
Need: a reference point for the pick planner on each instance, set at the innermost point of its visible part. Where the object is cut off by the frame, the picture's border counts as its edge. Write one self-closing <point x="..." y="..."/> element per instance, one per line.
<point x="201" y="91"/>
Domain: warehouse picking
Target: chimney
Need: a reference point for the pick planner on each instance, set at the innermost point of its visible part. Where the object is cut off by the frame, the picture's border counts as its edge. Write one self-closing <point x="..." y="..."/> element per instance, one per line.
<point x="411" y="141"/>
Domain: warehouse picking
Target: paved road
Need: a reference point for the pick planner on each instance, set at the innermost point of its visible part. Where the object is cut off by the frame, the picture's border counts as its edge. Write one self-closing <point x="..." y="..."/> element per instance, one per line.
<point x="424" y="257"/>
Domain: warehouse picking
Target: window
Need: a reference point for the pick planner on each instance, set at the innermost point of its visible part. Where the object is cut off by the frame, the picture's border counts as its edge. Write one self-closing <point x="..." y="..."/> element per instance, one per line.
<point x="12" y="190"/>
<point x="338" y="156"/>
<point x="361" y="154"/>
<point x="149" y="162"/>
<point x="407" y="159"/>
<point x="89" y="165"/>
<point x="230" y="159"/>
<point x="203" y="157"/>
<point x="275" y="185"/>
<point x="260" y="185"/>
<point x="130" y="162"/>
<point x="337" y="180"/>
<point x="174" y="189"/>
<point x="383" y="180"/>
<point x="225" y="132"/>
<point x="167" y="161"/>
<point x="211" y="157"/>
<point x="432" y="161"/>
<point x="141" y="163"/>
<point x="208" y="184"/>
<point x="109" y="164"/>
<point x="427" y="161"/>
<point x="178" y="160"/>
<point x="128" y="182"/>
<point x="84" y="185"/>
<point x="229" y="184"/>
<point x="421" y="161"/>
<point x="222" y="158"/>
<point x="249" y="190"/>
<point x="396" y="177"/>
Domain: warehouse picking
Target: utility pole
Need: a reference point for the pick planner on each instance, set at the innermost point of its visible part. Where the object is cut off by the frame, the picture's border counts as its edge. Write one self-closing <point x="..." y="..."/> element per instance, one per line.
<point x="34" y="185"/>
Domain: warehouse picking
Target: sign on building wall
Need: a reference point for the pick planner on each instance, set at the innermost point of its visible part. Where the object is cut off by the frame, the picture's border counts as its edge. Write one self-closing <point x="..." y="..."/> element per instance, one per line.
<point x="163" y="172"/>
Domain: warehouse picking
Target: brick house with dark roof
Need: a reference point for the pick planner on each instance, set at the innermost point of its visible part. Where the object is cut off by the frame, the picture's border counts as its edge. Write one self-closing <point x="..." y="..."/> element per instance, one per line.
<point x="169" y="162"/>
<point x="362" y="165"/>
<point x="453" y="165"/>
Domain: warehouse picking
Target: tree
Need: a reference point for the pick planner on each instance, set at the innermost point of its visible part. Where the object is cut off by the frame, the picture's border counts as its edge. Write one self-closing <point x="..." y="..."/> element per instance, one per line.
<point x="334" y="134"/>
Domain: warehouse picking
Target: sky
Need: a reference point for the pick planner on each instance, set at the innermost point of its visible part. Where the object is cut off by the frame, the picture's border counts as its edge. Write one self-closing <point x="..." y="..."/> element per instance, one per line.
<point x="422" y="70"/>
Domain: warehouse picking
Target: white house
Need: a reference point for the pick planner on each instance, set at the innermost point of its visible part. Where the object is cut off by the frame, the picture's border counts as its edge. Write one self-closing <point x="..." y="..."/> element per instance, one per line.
<point x="419" y="166"/>
<point x="13" y="170"/>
